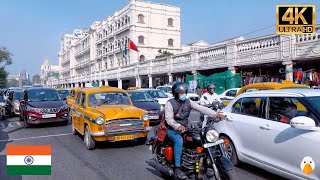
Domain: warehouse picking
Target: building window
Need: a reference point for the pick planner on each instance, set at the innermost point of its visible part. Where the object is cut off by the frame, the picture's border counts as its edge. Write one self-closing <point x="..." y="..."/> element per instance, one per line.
<point x="170" y="22"/>
<point x="170" y="42"/>
<point x="140" y="18"/>
<point x="141" y="40"/>
<point x="142" y="58"/>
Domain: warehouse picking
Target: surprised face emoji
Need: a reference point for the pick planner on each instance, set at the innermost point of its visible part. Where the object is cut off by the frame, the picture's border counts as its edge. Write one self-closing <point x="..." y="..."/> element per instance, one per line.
<point x="307" y="165"/>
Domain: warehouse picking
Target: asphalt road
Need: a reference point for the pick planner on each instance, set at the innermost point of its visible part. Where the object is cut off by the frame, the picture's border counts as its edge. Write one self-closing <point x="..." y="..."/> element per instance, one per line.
<point x="71" y="160"/>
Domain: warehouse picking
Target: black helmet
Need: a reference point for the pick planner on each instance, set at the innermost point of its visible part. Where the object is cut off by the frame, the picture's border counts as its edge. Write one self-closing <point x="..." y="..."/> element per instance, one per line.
<point x="179" y="87"/>
<point x="210" y="86"/>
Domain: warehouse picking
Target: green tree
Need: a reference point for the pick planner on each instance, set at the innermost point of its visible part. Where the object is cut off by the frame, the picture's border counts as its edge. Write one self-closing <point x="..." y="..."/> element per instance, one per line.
<point x="13" y="83"/>
<point x="163" y="54"/>
<point x="36" y="79"/>
<point x="5" y="59"/>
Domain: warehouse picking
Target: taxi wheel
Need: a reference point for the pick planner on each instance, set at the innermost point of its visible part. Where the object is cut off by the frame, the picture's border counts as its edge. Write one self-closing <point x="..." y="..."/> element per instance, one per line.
<point x="142" y="140"/>
<point x="74" y="131"/>
<point x="88" y="140"/>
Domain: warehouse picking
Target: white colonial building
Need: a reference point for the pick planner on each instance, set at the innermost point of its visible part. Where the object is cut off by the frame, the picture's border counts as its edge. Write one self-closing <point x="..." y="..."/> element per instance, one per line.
<point x="47" y="71"/>
<point x="150" y="26"/>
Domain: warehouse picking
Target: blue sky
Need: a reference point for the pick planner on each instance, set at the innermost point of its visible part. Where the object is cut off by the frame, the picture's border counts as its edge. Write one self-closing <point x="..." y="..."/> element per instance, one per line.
<point x="31" y="29"/>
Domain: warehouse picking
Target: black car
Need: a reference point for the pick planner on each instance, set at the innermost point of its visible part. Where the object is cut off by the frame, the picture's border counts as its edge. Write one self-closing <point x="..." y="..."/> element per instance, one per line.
<point x="144" y="101"/>
<point x="43" y="105"/>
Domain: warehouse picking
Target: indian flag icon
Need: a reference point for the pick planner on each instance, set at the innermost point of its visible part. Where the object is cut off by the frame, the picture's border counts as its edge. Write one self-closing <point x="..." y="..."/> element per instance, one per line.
<point x="28" y="160"/>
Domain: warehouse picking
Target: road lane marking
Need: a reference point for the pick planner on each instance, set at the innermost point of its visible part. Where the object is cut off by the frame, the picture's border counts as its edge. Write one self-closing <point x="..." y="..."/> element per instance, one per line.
<point x="36" y="137"/>
<point x="14" y="124"/>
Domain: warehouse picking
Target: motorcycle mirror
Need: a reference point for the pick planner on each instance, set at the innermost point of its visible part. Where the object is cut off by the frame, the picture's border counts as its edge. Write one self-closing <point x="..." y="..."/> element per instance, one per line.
<point x="205" y="97"/>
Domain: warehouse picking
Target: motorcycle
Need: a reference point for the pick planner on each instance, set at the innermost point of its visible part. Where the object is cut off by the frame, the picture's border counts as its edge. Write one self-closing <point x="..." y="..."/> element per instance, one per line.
<point x="203" y="155"/>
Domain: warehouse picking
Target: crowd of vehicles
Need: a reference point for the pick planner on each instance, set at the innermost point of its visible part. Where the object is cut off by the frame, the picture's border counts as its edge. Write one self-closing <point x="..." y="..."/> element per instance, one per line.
<point x="264" y="120"/>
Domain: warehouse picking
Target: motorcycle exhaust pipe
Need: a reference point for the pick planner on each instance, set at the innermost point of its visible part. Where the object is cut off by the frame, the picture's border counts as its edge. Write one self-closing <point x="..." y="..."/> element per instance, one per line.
<point x="164" y="169"/>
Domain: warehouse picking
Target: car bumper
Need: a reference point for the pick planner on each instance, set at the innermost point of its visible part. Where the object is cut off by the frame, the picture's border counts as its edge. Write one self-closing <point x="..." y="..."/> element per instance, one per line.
<point x="45" y="121"/>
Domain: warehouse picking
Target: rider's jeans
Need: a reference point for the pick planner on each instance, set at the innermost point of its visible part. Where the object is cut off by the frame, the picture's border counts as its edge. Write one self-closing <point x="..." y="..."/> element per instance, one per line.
<point x="176" y="137"/>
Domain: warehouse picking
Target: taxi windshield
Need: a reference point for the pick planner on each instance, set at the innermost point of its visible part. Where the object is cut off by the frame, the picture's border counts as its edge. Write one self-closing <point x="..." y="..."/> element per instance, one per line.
<point x="108" y="98"/>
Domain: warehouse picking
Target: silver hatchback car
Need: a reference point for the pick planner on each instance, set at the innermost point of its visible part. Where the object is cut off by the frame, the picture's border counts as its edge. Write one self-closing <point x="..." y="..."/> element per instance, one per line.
<point x="277" y="130"/>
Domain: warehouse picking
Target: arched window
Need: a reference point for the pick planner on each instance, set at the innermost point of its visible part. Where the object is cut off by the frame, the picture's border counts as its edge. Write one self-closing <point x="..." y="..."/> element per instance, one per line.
<point x="170" y="22"/>
<point x="170" y="42"/>
<point x="140" y="18"/>
<point x="141" y="40"/>
<point x="142" y="58"/>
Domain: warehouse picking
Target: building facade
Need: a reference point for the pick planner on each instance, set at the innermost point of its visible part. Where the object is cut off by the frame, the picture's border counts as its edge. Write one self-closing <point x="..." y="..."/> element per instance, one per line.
<point x="150" y="26"/>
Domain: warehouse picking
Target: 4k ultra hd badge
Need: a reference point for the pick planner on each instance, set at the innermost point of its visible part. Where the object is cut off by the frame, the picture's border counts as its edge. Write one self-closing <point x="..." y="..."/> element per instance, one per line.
<point x="296" y="19"/>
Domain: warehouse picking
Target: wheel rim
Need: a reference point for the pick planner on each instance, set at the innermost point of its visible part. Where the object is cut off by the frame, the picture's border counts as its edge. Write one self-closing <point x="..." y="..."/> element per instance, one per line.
<point x="228" y="150"/>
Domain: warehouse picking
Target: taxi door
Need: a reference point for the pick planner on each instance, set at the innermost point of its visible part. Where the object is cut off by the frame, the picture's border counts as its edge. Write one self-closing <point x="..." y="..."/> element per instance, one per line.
<point x="82" y="110"/>
<point x="75" y="113"/>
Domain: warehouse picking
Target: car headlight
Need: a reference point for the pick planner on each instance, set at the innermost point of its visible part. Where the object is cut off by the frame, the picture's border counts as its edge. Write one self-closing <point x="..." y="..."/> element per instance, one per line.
<point x="99" y="120"/>
<point x="29" y="108"/>
<point x="64" y="107"/>
<point x="212" y="135"/>
<point x="145" y="117"/>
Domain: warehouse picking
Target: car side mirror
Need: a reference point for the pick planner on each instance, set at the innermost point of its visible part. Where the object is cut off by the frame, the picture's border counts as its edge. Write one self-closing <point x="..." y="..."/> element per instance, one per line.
<point x="303" y="122"/>
<point x="64" y="99"/>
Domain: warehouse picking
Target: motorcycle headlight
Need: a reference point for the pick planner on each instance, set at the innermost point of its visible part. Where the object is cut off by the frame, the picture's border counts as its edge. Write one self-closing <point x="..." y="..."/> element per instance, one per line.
<point x="212" y="135"/>
<point x="99" y="120"/>
<point x="145" y="117"/>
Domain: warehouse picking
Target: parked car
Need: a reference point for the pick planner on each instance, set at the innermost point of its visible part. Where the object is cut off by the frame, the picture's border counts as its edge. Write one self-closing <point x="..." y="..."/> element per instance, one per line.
<point x="42" y="105"/>
<point x="168" y="91"/>
<point x="229" y="94"/>
<point x="275" y="130"/>
<point x="3" y="107"/>
<point x="143" y="100"/>
<point x="13" y="104"/>
<point x="268" y="86"/>
<point x="107" y="114"/>
<point x="158" y="95"/>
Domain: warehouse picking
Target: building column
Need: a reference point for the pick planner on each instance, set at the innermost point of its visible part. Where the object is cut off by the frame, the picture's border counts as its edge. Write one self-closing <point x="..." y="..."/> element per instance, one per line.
<point x="170" y="77"/>
<point x="106" y="83"/>
<point x="100" y="83"/>
<point x="138" y="81"/>
<point x="232" y="69"/>
<point x="289" y="70"/>
<point x="150" y="81"/>
<point x="120" y="83"/>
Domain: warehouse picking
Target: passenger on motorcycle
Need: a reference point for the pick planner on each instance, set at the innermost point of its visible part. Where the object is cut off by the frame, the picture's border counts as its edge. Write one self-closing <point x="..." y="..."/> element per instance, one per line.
<point x="210" y="94"/>
<point x="177" y="111"/>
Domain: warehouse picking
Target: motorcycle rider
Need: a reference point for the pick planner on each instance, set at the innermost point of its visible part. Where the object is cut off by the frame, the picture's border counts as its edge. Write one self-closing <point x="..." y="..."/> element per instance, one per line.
<point x="177" y="111"/>
<point x="210" y="95"/>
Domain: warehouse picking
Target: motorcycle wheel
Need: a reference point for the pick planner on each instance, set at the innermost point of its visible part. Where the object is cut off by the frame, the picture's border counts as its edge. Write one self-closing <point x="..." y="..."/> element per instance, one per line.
<point x="228" y="175"/>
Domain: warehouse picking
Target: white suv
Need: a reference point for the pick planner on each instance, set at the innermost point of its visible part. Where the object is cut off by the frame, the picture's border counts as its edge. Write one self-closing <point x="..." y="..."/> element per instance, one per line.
<point x="277" y="130"/>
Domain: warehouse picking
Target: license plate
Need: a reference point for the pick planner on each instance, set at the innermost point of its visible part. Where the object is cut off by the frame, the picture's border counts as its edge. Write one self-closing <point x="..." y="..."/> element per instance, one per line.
<point x="124" y="137"/>
<point x="48" y="115"/>
<point x="153" y="117"/>
<point x="207" y="145"/>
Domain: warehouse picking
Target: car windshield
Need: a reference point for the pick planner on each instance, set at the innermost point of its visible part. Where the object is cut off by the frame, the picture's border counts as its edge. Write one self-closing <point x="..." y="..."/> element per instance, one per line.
<point x="140" y="97"/>
<point x="17" y="95"/>
<point x="35" y="95"/>
<point x="64" y="93"/>
<point x="165" y="89"/>
<point x="314" y="102"/>
<point x="157" y="94"/>
<point x="108" y="98"/>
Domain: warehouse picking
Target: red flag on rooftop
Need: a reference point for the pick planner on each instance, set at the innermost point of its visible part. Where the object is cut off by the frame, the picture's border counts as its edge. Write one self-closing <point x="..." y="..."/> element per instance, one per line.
<point x="132" y="46"/>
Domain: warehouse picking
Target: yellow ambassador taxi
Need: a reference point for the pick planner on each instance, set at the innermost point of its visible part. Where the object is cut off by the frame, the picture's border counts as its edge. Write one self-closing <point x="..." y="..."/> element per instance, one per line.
<point x="267" y="86"/>
<point x="72" y="97"/>
<point x="107" y="114"/>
